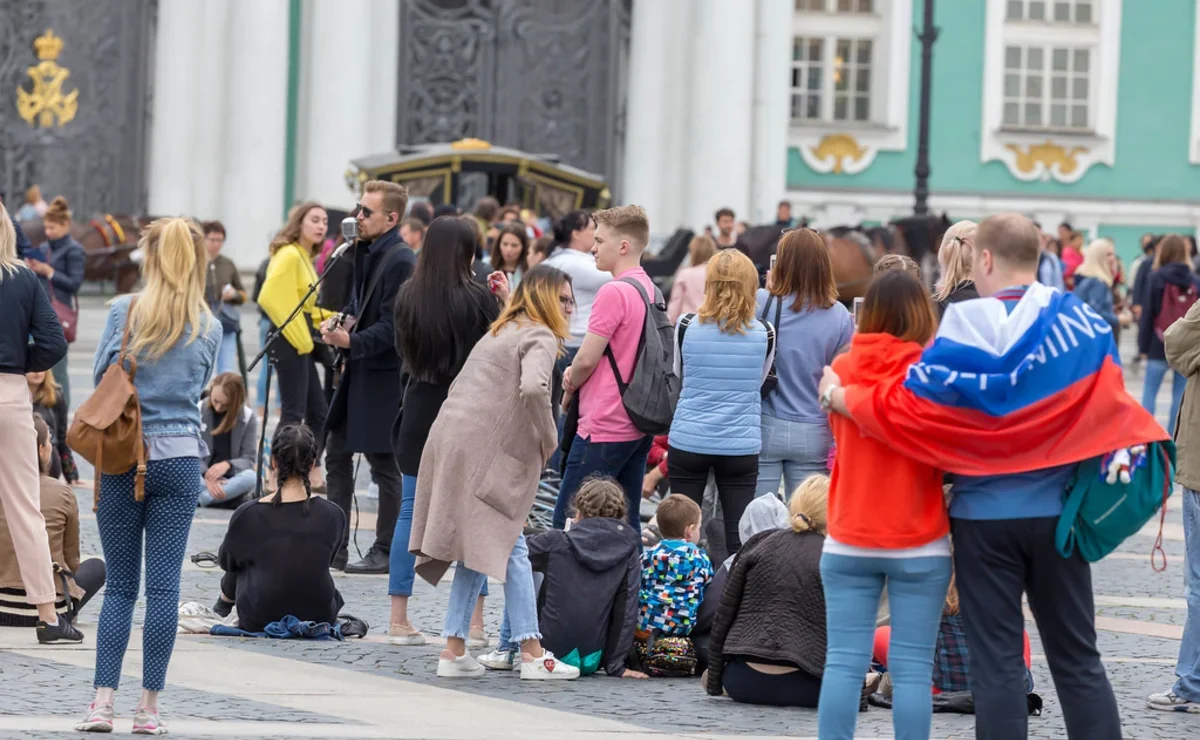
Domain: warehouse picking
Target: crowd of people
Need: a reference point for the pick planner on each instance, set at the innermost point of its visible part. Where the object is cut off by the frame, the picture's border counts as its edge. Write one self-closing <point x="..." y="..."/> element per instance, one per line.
<point x="461" y="355"/>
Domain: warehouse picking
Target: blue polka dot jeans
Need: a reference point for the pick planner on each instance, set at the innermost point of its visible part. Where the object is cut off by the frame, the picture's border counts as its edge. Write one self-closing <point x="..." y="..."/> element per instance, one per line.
<point x="163" y="519"/>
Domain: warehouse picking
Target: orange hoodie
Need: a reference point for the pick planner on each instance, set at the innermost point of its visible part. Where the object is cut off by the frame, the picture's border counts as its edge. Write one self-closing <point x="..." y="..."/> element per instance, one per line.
<point x="877" y="497"/>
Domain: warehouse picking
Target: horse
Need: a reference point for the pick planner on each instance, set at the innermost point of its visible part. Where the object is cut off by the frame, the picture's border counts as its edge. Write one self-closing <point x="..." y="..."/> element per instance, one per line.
<point x="108" y="240"/>
<point x="855" y="249"/>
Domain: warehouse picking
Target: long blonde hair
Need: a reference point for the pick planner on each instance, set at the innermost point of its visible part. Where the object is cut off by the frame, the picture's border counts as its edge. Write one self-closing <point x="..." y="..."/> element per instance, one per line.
<point x="46" y="393"/>
<point x="1095" y="262"/>
<point x="290" y="233"/>
<point x="536" y="298"/>
<point x="809" y="503"/>
<point x="9" y="262"/>
<point x="956" y="256"/>
<point x="173" y="298"/>
<point x="730" y="283"/>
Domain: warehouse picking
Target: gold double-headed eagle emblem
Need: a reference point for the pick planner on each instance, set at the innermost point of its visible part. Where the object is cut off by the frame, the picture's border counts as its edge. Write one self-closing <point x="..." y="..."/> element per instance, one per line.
<point x="46" y="99"/>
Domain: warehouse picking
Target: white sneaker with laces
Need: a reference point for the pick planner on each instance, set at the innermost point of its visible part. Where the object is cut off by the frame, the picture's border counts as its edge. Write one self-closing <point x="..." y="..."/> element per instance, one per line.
<point x="500" y="660"/>
<point x="462" y="666"/>
<point x="546" y="668"/>
<point x="1171" y="702"/>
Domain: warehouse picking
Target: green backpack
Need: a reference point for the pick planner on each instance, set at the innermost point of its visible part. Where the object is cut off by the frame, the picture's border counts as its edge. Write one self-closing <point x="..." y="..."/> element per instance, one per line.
<point x="1098" y="516"/>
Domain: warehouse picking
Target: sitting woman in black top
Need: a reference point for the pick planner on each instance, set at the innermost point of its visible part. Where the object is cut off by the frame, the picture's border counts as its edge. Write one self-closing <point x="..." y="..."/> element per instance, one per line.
<point x="277" y="552"/>
<point x="768" y="638"/>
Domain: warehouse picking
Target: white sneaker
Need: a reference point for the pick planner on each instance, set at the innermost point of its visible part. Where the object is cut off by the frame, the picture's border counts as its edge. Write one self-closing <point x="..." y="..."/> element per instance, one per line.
<point x="463" y="666"/>
<point x="1172" y="702"/>
<point x="500" y="660"/>
<point x="547" y="668"/>
<point x="405" y="635"/>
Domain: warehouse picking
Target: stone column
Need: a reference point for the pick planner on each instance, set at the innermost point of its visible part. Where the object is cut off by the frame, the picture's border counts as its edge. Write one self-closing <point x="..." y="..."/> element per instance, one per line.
<point x="772" y="108"/>
<point x="256" y="121"/>
<point x="208" y="100"/>
<point x="722" y="85"/>
<point x="646" y="131"/>
<point x="176" y="109"/>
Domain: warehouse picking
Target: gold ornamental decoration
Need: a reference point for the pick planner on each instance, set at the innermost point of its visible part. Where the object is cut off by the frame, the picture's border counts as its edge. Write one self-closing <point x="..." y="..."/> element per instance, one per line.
<point x="1048" y="155"/>
<point x="842" y="149"/>
<point x="47" y="100"/>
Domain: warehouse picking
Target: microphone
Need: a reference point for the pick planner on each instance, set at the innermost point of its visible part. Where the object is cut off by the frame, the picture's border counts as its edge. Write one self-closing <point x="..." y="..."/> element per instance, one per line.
<point x="349" y="237"/>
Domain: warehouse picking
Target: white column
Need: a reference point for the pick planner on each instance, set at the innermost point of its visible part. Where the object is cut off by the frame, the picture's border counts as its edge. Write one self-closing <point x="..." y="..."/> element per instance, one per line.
<point x="647" y="130"/>
<point x="349" y="98"/>
<point x="722" y="110"/>
<point x="176" y="111"/>
<point x="680" y="114"/>
<point x="256" y="116"/>
<point x="772" y="108"/>
<point x="208" y="142"/>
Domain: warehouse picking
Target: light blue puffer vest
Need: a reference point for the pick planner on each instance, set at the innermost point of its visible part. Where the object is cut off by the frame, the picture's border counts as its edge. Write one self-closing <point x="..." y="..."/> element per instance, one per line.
<point x="720" y="410"/>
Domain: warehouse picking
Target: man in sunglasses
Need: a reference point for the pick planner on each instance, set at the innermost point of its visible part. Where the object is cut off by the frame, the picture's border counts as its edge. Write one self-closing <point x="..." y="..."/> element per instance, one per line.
<point x="367" y="398"/>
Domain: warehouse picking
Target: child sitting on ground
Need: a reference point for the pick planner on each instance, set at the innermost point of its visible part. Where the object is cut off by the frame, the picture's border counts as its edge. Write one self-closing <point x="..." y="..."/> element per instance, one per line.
<point x="674" y="572"/>
<point x="587" y="607"/>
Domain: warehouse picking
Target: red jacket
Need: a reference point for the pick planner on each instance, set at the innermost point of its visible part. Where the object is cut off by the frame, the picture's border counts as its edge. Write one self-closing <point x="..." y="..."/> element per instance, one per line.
<point x="877" y="497"/>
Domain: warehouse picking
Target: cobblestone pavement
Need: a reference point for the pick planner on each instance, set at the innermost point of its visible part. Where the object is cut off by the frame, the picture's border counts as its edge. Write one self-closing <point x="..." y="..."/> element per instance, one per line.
<point x="228" y="687"/>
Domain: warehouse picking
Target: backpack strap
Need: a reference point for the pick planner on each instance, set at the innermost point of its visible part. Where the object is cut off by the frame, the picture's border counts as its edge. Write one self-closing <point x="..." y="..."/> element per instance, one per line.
<point x="123" y="356"/>
<point x="658" y="302"/>
<point x="139" y="478"/>
<point x="683" y="325"/>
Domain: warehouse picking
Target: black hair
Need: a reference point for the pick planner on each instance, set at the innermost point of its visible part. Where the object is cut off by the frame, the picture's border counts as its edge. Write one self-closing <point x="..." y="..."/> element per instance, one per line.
<point x="294" y="452"/>
<point x="422" y="211"/>
<point x="570" y="223"/>
<point x="441" y="303"/>
<point x="1066" y="225"/>
<point x="444" y="209"/>
<point x="724" y="212"/>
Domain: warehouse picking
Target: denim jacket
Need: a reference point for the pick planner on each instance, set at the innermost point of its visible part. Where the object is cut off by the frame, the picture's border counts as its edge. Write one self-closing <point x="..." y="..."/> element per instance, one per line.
<point x="169" y="388"/>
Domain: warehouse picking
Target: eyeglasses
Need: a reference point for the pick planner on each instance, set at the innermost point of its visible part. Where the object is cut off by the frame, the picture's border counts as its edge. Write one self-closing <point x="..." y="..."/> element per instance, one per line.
<point x="366" y="212"/>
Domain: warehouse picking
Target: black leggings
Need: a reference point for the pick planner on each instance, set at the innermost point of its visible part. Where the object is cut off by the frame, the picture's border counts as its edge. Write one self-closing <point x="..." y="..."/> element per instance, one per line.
<point x="300" y="395"/>
<point x="737" y="480"/>
<point x="89" y="577"/>
<point x="746" y="685"/>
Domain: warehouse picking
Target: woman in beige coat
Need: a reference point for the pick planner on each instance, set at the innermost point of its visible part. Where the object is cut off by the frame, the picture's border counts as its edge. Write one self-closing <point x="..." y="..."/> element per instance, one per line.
<point x="480" y="468"/>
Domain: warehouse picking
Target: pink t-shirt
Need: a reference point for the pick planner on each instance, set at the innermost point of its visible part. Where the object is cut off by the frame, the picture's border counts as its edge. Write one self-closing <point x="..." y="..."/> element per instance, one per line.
<point x="617" y="315"/>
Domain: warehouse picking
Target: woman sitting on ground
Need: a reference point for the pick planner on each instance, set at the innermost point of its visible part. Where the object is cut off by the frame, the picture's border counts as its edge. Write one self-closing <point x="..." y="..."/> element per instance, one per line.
<point x="50" y="403"/>
<point x="768" y="639"/>
<point x="230" y="432"/>
<point x="61" y="512"/>
<point x="277" y="552"/>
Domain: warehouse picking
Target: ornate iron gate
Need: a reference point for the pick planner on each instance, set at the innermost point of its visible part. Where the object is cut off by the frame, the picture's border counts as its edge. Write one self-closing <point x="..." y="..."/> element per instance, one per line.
<point x="74" y="96"/>
<point x="545" y="76"/>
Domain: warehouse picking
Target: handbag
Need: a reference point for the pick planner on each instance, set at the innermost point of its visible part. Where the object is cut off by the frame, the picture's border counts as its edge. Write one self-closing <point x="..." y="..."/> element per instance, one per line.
<point x="1098" y="516"/>
<point x="68" y="316"/>
<point x="667" y="656"/>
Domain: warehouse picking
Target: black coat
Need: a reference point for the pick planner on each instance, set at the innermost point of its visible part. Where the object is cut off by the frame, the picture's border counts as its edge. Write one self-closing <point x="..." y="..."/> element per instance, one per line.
<point x="1177" y="273"/>
<point x="67" y="257"/>
<point x="773" y="606"/>
<point x="964" y="291"/>
<point x="589" y="601"/>
<point x="368" y="398"/>
<point x="28" y="315"/>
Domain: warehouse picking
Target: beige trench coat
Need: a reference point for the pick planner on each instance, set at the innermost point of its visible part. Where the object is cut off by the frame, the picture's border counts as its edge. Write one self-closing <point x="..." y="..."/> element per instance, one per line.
<point x="485" y="454"/>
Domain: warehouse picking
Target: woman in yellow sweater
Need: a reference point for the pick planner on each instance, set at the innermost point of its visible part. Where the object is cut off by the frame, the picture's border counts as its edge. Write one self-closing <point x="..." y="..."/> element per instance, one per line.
<point x="289" y="276"/>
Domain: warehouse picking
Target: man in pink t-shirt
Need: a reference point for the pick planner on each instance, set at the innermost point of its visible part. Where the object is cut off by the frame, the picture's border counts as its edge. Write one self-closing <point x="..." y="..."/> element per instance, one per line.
<point x="607" y="443"/>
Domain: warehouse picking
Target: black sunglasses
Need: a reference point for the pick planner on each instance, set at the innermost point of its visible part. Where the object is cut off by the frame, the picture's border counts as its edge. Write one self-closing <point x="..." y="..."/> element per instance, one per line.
<point x="360" y="208"/>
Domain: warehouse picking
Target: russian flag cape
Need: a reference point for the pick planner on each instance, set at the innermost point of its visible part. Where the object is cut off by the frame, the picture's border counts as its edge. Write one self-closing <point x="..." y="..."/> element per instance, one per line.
<point x="1000" y="392"/>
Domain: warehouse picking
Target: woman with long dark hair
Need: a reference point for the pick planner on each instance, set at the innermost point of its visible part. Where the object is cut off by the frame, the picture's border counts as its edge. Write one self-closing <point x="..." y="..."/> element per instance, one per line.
<point x="289" y="276"/>
<point x="474" y="512"/>
<point x="440" y="312"/>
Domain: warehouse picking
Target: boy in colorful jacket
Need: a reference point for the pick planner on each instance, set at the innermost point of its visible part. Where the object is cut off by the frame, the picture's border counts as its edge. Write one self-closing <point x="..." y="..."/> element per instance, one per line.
<point x="674" y="572"/>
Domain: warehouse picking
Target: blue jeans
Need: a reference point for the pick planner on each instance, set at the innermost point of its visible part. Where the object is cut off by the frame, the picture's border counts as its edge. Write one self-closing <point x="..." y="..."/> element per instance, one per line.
<point x="163" y="520"/>
<point x="1188" y="667"/>
<point x="1156" y="370"/>
<point x="623" y="461"/>
<point x="239" y="485"/>
<point x="400" y="560"/>
<point x="564" y="362"/>
<point x="227" y="357"/>
<point x="916" y="595"/>
<point x="792" y="450"/>
<point x="520" y="600"/>
<point x="264" y="328"/>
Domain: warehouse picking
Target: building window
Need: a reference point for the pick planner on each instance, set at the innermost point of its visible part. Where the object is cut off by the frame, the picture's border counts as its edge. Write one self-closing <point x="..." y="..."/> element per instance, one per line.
<point x="1050" y="85"/>
<point x="833" y="61"/>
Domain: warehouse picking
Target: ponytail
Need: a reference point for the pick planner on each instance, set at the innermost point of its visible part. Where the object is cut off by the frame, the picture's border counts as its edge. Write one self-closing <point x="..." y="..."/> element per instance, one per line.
<point x="808" y="504"/>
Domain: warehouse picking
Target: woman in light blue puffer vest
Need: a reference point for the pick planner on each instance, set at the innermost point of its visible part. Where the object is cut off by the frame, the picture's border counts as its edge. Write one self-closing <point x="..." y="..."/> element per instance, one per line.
<point x="723" y="355"/>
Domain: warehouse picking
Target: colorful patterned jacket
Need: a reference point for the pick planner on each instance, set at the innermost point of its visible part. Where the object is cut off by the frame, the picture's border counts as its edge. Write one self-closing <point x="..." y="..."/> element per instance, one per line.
<point x="674" y="574"/>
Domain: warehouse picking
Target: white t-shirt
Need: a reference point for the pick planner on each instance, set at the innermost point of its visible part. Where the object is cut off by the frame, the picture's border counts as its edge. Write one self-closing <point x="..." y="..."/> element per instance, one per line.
<point x="585" y="281"/>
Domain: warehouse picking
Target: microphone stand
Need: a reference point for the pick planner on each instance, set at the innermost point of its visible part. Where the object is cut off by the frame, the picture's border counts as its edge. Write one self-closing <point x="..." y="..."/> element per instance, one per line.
<point x="271" y="337"/>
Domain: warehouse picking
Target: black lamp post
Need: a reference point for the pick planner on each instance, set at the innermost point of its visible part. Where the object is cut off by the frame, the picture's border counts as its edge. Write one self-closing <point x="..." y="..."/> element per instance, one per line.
<point x="927" y="36"/>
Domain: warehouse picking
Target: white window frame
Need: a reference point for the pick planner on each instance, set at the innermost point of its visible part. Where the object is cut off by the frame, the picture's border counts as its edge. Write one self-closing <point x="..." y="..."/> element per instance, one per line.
<point x="850" y="146"/>
<point x="1194" y="135"/>
<point x="1044" y="153"/>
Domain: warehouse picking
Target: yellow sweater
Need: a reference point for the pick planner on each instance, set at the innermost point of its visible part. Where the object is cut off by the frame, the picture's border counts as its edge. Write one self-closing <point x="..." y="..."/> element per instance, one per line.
<point x="289" y="276"/>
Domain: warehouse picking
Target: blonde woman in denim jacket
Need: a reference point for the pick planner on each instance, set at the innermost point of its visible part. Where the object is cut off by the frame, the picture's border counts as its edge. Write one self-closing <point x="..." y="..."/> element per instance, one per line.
<point x="174" y="338"/>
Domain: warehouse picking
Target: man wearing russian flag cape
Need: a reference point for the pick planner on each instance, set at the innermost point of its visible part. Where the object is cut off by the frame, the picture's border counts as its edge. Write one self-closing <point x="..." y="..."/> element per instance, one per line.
<point x="1017" y="388"/>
